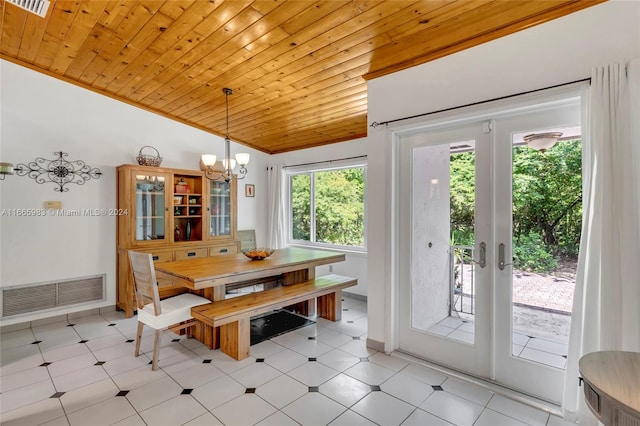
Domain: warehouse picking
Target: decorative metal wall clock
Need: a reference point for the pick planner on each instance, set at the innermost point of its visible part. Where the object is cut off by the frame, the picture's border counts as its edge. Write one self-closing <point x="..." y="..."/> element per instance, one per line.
<point x="59" y="171"/>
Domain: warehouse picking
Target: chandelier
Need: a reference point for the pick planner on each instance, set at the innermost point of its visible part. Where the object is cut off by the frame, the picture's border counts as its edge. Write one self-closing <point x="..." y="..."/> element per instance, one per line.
<point x="228" y="164"/>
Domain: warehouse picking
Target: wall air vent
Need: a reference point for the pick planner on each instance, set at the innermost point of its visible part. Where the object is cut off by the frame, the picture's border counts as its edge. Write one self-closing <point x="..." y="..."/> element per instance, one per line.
<point x="39" y="7"/>
<point x="31" y="298"/>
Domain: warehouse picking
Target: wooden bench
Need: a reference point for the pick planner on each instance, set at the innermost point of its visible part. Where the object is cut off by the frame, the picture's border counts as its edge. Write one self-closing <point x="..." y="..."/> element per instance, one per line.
<point x="233" y="316"/>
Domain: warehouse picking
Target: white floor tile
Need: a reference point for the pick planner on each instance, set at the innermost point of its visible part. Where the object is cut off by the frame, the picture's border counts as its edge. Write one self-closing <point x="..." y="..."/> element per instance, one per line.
<point x="139" y="377"/>
<point x="13" y="360"/>
<point x="345" y="389"/>
<point x="72" y="364"/>
<point x="126" y="363"/>
<point x="34" y="414"/>
<point x="13" y="381"/>
<point x="79" y="378"/>
<point x="452" y="408"/>
<point x="286" y="360"/>
<point x="65" y="352"/>
<point x="134" y="420"/>
<point x="16" y="338"/>
<point x="311" y="348"/>
<point x="265" y="349"/>
<point x="278" y="419"/>
<point x="281" y="391"/>
<point x="86" y="396"/>
<point x="358" y="348"/>
<point x="518" y="411"/>
<point x="227" y="364"/>
<point x="313" y="409"/>
<point x="176" y="411"/>
<point x="116" y="351"/>
<point x="333" y="338"/>
<point x="424" y="374"/>
<point x="339" y="360"/>
<point x="255" y="374"/>
<point x="207" y="419"/>
<point x="422" y="418"/>
<point x="25" y="395"/>
<point x="193" y="373"/>
<point x="247" y="409"/>
<point x="60" y="421"/>
<point x="493" y="418"/>
<point x="103" y="413"/>
<point x="218" y="392"/>
<point x="387" y="361"/>
<point x="407" y="389"/>
<point x="312" y="373"/>
<point x="370" y="373"/>
<point x="557" y="421"/>
<point x="383" y="409"/>
<point x="289" y="340"/>
<point x="468" y="391"/>
<point x="153" y="393"/>
<point x="350" y="418"/>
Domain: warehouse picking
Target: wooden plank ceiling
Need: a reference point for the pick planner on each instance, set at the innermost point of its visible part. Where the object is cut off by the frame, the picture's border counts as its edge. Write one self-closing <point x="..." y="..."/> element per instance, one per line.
<point x="298" y="68"/>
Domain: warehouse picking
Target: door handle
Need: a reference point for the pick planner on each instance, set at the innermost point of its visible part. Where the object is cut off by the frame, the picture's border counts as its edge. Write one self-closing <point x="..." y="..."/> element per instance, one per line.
<point x="501" y="255"/>
<point x="483" y="255"/>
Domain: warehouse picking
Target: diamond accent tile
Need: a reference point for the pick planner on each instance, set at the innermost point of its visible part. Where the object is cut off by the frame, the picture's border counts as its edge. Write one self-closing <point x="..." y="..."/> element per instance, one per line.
<point x="311" y="338"/>
<point x="259" y="359"/>
<point x="44" y="364"/>
<point x="57" y="395"/>
<point x="314" y="389"/>
<point x="250" y="390"/>
<point x="186" y="391"/>
<point x="313" y="359"/>
<point x="70" y="325"/>
<point x="36" y="342"/>
<point x="100" y="363"/>
<point x="375" y="388"/>
<point x="356" y="337"/>
<point x="83" y="341"/>
<point x="175" y="340"/>
<point x="206" y="361"/>
<point x="122" y="393"/>
<point x="130" y="341"/>
<point x="111" y="325"/>
<point x="364" y="359"/>
<point x="437" y="387"/>
<point x="349" y="322"/>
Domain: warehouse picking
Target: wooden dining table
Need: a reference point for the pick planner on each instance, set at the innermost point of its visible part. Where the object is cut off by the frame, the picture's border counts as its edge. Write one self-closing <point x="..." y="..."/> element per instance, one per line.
<point x="212" y="275"/>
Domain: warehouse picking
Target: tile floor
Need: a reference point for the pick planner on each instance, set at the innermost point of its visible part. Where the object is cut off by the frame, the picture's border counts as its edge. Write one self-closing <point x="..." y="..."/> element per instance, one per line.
<point x="544" y="351"/>
<point x="84" y="373"/>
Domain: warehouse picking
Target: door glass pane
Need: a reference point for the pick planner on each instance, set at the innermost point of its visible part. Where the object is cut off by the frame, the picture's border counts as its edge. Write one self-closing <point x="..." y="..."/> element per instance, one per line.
<point x="443" y="210"/>
<point x="547" y="222"/>
<point x="220" y="213"/>
<point x="150" y="208"/>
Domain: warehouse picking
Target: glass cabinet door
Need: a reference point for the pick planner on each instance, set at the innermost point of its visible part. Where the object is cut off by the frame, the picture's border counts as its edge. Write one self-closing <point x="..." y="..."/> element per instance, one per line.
<point x="150" y="215"/>
<point x="220" y="209"/>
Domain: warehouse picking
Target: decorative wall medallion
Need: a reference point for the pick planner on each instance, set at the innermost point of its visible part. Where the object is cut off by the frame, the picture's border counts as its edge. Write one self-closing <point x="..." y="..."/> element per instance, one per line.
<point x="59" y="171"/>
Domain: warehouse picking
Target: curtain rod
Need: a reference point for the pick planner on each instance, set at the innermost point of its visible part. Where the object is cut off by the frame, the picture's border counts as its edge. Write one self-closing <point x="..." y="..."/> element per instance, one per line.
<point x="326" y="161"/>
<point x="384" y="123"/>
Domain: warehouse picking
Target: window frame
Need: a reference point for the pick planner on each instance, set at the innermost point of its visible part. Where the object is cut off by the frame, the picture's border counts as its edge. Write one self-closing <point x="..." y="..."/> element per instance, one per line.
<point x="290" y="171"/>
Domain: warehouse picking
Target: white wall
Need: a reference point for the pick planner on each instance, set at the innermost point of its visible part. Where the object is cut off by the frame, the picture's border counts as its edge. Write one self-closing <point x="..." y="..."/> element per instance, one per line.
<point x="560" y="51"/>
<point x="41" y="115"/>
<point x="355" y="264"/>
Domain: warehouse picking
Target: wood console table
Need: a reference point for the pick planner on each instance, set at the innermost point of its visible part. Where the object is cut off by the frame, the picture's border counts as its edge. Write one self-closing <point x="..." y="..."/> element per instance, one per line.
<point x="612" y="386"/>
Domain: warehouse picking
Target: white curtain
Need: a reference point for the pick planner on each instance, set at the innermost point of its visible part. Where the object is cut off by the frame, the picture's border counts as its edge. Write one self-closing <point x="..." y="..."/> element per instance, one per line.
<point x="606" y="306"/>
<point x="276" y="224"/>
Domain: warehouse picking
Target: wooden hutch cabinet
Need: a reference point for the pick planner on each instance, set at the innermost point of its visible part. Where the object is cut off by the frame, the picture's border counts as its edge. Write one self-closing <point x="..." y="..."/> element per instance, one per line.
<point x="172" y="214"/>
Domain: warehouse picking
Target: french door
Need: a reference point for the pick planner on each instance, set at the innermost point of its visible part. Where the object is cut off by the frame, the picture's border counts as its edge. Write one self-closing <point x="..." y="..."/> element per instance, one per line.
<point x="457" y="303"/>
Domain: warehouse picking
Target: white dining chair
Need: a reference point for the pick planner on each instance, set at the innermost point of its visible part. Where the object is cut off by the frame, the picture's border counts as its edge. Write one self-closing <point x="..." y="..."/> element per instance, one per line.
<point x="158" y="314"/>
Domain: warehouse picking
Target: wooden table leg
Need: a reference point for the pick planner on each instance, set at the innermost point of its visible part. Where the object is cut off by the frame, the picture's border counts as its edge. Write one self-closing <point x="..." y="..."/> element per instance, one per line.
<point x="235" y="338"/>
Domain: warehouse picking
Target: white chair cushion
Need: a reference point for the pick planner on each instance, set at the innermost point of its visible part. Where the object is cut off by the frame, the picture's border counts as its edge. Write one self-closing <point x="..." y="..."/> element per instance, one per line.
<point x="174" y="310"/>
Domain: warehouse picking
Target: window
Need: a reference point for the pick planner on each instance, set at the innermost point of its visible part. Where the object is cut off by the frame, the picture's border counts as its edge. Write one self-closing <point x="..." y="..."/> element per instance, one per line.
<point x="326" y="205"/>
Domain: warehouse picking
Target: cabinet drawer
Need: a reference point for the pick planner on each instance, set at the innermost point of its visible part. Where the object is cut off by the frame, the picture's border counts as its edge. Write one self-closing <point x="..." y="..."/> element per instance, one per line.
<point x="166" y="256"/>
<point x="191" y="254"/>
<point x="218" y="250"/>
